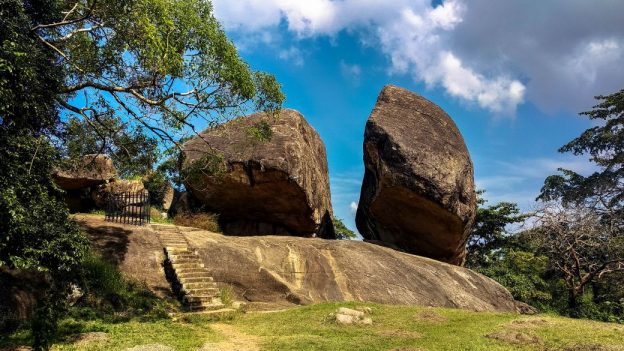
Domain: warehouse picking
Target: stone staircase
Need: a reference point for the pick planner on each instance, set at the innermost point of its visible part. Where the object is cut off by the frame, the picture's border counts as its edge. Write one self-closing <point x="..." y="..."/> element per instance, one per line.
<point x="190" y="280"/>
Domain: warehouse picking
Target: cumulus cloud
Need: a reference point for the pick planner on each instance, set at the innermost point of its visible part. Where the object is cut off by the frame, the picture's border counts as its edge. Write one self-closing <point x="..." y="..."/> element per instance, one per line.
<point x="410" y="33"/>
<point x="495" y="54"/>
<point x="566" y="51"/>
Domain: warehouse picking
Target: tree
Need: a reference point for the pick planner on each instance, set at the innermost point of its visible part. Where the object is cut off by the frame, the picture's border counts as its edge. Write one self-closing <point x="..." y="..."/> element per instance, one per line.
<point x="489" y="234"/>
<point x="581" y="225"/>
<point x="157" y="69"/>
<point x="161" y="67"/>
<point x="342" y="232"/>
<point x="581" y="246"/>
<point x="134" y="153"/>
<point x="35" y="233"/>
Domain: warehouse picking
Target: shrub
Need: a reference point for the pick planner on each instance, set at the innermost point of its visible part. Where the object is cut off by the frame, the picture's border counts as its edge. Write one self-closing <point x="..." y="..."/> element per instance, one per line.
<point x="206" y="221"/>
<point x="225" y="293"/>
<point x="156" y="185"/>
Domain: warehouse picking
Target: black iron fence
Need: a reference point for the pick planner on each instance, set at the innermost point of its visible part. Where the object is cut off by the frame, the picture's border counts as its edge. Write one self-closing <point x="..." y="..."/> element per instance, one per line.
<point x="128" y="208"/>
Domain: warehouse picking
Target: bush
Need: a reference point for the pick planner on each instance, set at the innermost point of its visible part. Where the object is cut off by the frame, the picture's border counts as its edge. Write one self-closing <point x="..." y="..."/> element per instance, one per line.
<point x="110" y="296"/>
<point x="206" y="221"/>
<point x="156" y="185"/>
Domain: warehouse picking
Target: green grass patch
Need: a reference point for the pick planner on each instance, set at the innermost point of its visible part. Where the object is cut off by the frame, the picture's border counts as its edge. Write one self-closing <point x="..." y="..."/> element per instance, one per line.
<point x="314" y="328"/>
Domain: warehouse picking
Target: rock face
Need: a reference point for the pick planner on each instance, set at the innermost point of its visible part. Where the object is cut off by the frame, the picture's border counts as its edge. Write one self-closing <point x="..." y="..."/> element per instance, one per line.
<point x="418" y="189"/>
<point x="278" y="186"/>
<point x="272" y="270"/>
<point x="101" y="193"/>
<point x="90" y="171"/>
<point x="310" y="270"/>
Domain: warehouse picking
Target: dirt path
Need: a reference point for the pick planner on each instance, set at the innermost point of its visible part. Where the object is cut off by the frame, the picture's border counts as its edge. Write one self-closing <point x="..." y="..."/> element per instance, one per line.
<point x="236" y="341"/>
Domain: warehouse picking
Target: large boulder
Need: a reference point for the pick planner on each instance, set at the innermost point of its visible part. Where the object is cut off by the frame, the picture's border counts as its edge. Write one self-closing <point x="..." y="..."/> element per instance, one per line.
<point x="418" y="191"/>
<point x="263" y="175"/>
<point x="89" y="171"/>
<point x="273" y="269"/>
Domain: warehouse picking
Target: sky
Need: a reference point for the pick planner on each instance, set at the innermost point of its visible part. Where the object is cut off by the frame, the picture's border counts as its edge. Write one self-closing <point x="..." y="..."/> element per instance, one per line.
<point x="513" y="75"/>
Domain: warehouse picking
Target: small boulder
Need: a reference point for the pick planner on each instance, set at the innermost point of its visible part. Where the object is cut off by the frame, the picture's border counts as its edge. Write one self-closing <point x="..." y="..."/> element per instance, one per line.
<point x="89" y="171"/>
<point x="418" y="190"/>
<point x="347" y="316"/>
<point x="263" y="175"/>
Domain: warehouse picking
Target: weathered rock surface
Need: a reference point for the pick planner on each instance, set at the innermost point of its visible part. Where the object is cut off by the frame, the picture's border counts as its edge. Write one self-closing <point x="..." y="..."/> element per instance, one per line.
<point x="102" y="192"/>
<point x="310" y="270"/>
<point x="418" y="189"/>
<point x="278" y="270"/>
<point x="90" y="171"/>
<point x="274" y="187"/>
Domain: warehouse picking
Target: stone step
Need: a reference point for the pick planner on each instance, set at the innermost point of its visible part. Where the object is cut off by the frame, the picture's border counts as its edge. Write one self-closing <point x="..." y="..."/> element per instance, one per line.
<point x="204" y="278"/>
<point x="204" y="299"/>
<point x="211" y="292"/>
<point x="206" y="307"/>
<point x="185" y="260"/>
<point x="183" y="255"/>
<point x="182" y="266"/>
<point x="178" y="245"/>
<point x="178" y="251"/>
<point x="189" y="276"/>
<point x="198" y="285"/>
<point x="194" y="270"/>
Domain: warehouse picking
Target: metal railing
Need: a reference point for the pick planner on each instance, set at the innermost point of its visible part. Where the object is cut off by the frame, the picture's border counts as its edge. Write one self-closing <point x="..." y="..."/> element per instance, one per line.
<point x="128" y="208"/>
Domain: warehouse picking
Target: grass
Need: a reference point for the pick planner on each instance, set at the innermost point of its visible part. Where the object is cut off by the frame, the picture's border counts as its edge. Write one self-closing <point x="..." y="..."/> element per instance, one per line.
<point x="313" y="328"/>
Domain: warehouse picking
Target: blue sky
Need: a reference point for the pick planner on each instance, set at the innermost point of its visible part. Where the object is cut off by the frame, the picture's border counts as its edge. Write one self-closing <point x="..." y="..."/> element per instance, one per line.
<point x="511" y="74"/>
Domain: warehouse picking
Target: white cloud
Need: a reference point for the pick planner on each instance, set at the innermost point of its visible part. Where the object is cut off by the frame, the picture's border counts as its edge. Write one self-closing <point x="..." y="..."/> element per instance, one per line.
<point x="409" y="32"/>
<point x="353" y="208"/>
<point x="494" y="54"/>
<point x="292" y="55"/>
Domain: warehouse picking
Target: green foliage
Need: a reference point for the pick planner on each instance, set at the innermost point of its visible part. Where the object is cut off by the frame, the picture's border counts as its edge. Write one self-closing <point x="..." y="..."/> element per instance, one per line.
<point x="226" y="295"/>
<point x="524" y="275"/>
<point x="157" y="186"/>
<point x="156" y="65"/>
<point x="211" y="164"/>
<point x="342" y="232"/>
<point x="605" y="146"/>
<point x="591" y="244"/>
<point x="261" y="131"/>
<point x="133" y="152"/>
<point x="36" y="233"/>
<point x="489" y="233"/>
<point x="112" y="297"/>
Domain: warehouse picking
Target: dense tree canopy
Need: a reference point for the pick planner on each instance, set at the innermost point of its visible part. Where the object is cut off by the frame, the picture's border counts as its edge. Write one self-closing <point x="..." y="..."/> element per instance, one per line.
<point x="582" y="229"/>
<point x="161" y="67"/>
<point x="84" y="76"/>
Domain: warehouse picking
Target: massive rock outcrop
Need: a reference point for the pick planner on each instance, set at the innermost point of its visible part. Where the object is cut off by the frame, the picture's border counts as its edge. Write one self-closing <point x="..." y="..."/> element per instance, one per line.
<point x="418" y="190"/>
<point x="271" y="270"/>
<point x="263" y="175"/>
<point x="89" y="171"/>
